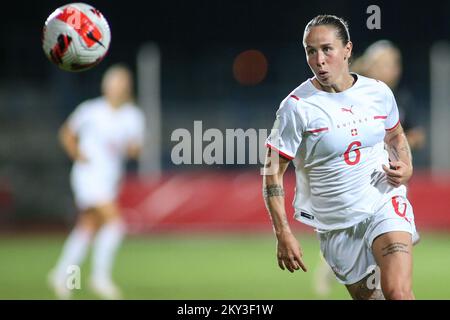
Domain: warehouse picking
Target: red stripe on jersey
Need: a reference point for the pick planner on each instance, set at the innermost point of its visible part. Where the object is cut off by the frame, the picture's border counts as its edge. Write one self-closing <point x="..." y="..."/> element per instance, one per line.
<point x="396" y="125"/>
<point x="380" y="117"/>
<point x="317" y="130"/>
<point x="81" y="23"/>
<point x="295" y="97"/>
<point x="281" y="153"/>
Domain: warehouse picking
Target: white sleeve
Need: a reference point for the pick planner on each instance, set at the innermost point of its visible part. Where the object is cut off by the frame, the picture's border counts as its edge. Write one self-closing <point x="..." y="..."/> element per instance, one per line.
<point x="392" y="119"/>
<point x="137" y="129"/>
<point x="78" y="117"/>
<point x="286" y="134"/>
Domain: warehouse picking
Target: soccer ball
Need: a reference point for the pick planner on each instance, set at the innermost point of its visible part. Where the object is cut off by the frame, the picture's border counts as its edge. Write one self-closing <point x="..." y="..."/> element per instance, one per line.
<point x="76" y="37"/>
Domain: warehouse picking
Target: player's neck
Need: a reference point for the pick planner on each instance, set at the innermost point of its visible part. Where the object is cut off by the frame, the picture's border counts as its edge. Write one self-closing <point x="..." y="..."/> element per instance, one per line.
<point x="341" y="85"/>
<point x="115" y="104"/>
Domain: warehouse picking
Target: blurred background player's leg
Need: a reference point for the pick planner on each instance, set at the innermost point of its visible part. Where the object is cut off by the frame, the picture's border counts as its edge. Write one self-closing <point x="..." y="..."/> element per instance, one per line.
<point x="324" y="278"/>
<point x="73" y="253"/>
<point x="106" y="243"/>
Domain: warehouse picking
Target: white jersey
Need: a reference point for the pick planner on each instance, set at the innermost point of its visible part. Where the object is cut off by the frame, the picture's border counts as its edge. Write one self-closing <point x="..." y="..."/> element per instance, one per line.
<point x="104" y="134"/>
<point x="336" y="142"/>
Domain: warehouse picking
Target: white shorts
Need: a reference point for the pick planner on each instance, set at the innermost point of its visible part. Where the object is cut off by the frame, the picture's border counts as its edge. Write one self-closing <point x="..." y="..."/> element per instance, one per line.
<point x="349" y="251"/>
<point x="91" y="188"/>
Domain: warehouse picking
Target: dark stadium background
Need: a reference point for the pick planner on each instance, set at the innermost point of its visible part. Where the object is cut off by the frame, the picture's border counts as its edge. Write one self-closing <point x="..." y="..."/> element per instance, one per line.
<point x="198" y="41"/>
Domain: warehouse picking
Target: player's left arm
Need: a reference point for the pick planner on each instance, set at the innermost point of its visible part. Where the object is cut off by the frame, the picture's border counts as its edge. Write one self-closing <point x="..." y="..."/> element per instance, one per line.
<point x="400" y="158"/>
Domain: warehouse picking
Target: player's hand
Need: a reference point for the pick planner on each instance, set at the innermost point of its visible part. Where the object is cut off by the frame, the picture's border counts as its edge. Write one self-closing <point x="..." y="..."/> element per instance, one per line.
<point x="289" y="252"/>
<point x="398" y="174"/>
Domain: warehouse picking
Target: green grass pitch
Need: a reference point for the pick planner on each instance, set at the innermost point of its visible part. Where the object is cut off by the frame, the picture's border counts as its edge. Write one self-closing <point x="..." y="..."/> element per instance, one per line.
<point x="229" y="266"/>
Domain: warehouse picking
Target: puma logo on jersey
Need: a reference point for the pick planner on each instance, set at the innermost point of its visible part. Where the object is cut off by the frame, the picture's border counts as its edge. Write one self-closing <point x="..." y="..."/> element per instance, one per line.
<point x="347" y="109"/>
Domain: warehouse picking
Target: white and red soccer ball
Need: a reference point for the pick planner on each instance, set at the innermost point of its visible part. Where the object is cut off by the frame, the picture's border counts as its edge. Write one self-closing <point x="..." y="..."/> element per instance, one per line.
<point x="76" y="37"/>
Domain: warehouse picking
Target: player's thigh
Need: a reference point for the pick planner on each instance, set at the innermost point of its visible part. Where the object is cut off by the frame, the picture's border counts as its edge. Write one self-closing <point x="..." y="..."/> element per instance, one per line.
<point x="391" y="242"/>
<point x="367" y="288"/>
<point x="393" y="254"/>
<point x="107" y="211"/>
<point x="89" y="220"/>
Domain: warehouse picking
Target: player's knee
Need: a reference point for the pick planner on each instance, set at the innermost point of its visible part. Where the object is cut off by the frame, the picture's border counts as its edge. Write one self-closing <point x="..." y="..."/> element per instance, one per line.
<point x="89" y="222"/>
<point x="398" y="293"/>
<point x="108" y="213"/>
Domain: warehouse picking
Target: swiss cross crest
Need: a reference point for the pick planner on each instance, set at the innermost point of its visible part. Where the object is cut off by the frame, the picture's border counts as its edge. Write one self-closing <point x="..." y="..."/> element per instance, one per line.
<point x="354" y="132"/>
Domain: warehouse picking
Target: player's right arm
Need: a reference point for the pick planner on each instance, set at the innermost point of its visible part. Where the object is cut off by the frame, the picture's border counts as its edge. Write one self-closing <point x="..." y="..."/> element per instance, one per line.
<point x="69" y="141"/>
<point x="289" y="252"/>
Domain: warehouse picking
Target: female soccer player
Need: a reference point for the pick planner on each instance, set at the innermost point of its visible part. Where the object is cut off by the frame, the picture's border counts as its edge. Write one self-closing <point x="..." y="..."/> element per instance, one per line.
<point x="382" y="60"/>
<point x="98" y="136"/>
<point x="334" y="128"/>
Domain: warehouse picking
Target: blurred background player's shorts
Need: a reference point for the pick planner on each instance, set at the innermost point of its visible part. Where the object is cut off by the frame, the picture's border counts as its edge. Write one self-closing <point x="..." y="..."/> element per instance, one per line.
<point x="92" y="187"/>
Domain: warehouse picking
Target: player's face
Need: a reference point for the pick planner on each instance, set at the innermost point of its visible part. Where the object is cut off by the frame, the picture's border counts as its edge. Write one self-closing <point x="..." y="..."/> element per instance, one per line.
<point x="326" y="54"/>
<point x="117" y="87"/>
<point x="386" y="66"/>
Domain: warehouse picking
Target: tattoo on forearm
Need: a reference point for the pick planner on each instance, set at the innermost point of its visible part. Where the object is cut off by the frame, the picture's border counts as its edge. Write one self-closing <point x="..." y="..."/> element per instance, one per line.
<point x="273" y="190"/>
<point x="394" y="152"/>
<point x="394" y="248"/>
<point x="407" y="150"/>
<point x="403" y="147"/>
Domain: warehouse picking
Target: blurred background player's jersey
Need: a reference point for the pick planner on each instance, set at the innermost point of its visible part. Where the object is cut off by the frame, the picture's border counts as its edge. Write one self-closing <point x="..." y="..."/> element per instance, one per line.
<point x="336" y="141"/>
<point x="104" y="133"/>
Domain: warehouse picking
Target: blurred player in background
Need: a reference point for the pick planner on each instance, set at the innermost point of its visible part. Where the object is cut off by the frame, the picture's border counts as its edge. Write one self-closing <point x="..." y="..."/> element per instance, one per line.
<point x="382" y="60"/>
<point x="334" y="128"/>
<point x="99" y="136"/>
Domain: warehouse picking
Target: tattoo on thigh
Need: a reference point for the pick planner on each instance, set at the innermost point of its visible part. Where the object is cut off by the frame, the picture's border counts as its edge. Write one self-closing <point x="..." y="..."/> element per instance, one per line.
<point x="394" y="248"/>
<point x="365" y="293"/>
<point x="273" y="190"/>
<point x="360" y="291"/>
